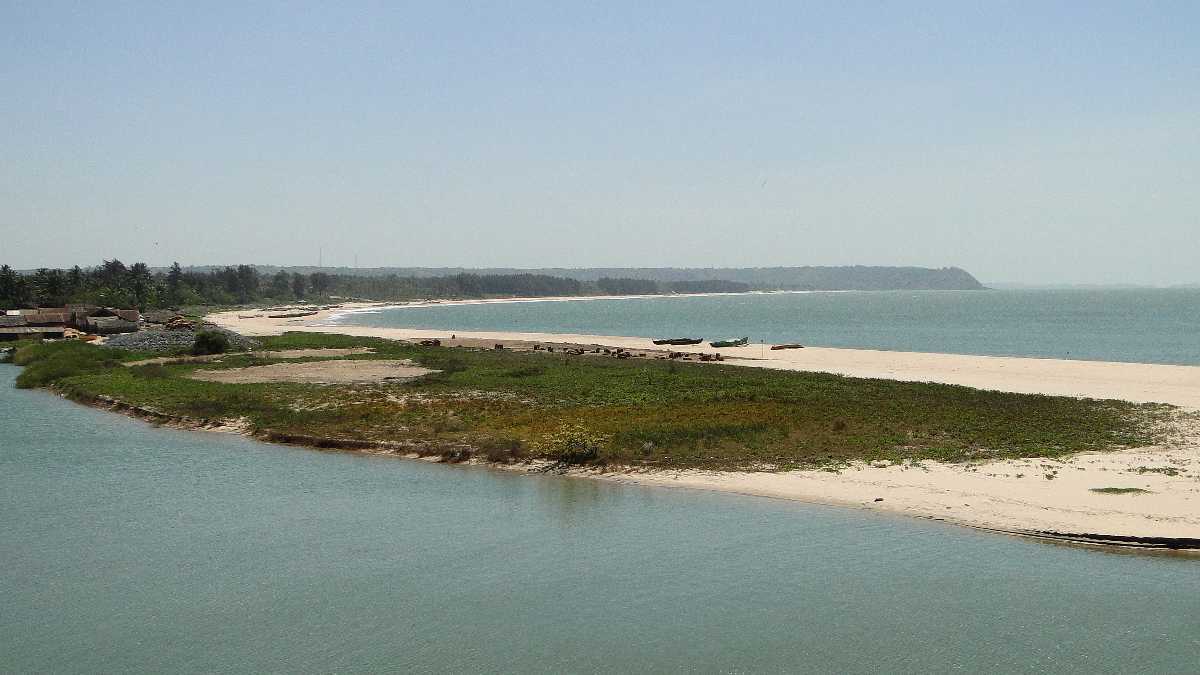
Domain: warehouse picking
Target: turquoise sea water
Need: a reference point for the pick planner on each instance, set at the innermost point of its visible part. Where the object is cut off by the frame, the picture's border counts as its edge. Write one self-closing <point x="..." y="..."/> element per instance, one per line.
<point x="126" y="548"/>
<point x="1150" y="326"/>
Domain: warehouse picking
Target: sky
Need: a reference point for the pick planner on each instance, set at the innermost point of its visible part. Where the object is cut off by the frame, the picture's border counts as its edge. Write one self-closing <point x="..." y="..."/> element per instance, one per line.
<point x="1039" y="142"/>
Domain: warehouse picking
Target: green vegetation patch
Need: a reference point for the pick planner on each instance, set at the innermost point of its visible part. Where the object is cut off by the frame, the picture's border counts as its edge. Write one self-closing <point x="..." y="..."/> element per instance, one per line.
<point x="603" y="410"/>
<point x="1120" y="491"/>
<point x="1164" y="470"/>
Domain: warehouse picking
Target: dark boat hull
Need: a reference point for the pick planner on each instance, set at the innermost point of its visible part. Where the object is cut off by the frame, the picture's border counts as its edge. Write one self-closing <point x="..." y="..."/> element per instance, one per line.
<point x="679" y="341"/>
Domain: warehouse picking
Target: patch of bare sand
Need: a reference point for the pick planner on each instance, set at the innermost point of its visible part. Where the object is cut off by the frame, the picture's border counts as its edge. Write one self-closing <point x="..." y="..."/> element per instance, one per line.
<point x="340" y="371"/>
<point x="285" y="354"/>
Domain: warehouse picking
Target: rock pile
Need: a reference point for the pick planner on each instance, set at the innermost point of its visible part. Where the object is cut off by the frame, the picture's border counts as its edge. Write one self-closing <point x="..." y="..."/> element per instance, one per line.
<point x="173" y="339"/>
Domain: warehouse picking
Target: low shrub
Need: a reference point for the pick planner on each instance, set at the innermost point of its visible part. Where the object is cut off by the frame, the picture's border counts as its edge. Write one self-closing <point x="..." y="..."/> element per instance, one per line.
<point x="501" y="450"/>
<point x="210" y="342"/>
<point x="574" y="444"/>
<point x="1120" y="491"/>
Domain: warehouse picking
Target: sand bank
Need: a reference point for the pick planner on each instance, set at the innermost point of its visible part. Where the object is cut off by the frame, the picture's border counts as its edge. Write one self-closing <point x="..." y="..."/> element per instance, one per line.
<point x="1023" y="496"/>
<point x="1020" y="495"/>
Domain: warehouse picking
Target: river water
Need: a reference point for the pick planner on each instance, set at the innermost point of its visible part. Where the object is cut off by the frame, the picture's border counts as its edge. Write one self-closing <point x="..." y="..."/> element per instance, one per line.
<point x="125" y="547"/>
<point x="1138" y="325"/>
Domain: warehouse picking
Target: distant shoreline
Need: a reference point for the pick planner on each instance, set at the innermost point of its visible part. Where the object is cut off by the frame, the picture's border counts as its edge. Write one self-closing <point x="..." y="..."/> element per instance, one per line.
<point x="375" y="307"/>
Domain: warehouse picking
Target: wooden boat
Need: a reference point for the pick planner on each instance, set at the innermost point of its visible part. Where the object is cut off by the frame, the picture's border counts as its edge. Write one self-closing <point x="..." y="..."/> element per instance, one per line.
<point x="787" y="346"/>
<point x="679" y="341"/>
<point x="740" y="342"/>
<point x="291" y="315"/>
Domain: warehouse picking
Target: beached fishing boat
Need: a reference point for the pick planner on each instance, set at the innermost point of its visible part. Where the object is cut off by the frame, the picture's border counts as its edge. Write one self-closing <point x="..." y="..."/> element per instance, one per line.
<point x="787" y="346"/>
<point x="679" y="341"/>
<point x="740" y="342"/>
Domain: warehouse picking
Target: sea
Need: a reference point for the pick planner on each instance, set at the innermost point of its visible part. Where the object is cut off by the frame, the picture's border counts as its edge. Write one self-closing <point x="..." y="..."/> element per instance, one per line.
<point x="1133" y="325"/>
<point x="135" y="549"/>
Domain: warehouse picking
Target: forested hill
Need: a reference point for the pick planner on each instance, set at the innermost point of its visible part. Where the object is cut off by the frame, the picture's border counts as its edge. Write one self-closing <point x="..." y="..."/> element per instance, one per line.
<point x="847" y="278"/>
<point x="112" y="283"/>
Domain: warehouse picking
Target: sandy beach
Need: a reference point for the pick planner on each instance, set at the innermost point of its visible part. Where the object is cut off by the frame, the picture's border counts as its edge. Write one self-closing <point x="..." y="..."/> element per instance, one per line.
<point x="1022" y="496"/>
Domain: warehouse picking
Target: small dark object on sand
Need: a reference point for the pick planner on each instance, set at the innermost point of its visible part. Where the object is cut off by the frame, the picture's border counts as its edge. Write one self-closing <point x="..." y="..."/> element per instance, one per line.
<point x="430" y="343"/>
<point x="787" y="346"/>
<point x="678" y="341"/>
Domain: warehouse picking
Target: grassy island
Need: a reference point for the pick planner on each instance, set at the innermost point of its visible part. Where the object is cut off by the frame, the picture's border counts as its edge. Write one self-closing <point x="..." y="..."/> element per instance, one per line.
<point x="506" y="405"/>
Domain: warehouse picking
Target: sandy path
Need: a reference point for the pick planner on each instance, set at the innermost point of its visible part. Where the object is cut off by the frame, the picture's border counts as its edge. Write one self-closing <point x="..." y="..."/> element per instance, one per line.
<point x="317" y="372"/>
<point x="286" y="354"/>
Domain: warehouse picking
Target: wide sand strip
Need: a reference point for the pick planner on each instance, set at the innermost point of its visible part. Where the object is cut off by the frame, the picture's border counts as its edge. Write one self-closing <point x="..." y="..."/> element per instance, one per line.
<point x="1019" y="495"/>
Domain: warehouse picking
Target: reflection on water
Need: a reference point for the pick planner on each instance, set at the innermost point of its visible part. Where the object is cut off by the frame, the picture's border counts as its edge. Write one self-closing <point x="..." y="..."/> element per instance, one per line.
<point x="573" y="500"/>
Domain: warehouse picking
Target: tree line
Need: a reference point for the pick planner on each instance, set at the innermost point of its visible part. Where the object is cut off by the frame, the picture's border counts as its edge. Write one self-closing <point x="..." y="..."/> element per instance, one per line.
<point x="115" y="284"/>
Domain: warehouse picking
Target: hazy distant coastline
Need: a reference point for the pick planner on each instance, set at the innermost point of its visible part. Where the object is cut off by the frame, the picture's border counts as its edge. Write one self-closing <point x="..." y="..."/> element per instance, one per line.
<point x="807" y="278"/>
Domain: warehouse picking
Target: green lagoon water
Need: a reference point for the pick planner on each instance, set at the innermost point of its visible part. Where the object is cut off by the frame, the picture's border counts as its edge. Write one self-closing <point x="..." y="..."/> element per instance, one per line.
<point x="126" y="548"/>
<point x="1148" y="326"/>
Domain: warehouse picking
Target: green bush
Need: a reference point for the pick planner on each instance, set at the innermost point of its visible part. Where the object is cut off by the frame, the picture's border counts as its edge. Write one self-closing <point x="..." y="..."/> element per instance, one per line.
<point x="210" y="342"/>
<point x="574" y="444"/>
<point x="51" y="361"/>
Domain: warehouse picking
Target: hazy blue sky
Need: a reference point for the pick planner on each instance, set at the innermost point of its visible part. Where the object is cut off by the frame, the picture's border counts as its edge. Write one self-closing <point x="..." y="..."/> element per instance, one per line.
<point x="1036" y="142"/>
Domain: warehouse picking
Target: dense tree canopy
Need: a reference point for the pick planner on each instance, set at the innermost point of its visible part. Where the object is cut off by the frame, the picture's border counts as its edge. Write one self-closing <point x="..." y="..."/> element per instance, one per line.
<point x="114" y="284"/>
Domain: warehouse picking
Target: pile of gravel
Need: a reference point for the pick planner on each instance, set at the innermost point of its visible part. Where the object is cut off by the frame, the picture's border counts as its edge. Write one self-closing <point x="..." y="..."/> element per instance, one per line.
<point x="160" y="340"/>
